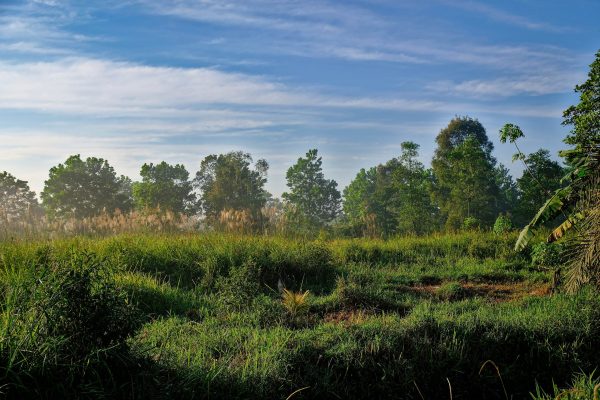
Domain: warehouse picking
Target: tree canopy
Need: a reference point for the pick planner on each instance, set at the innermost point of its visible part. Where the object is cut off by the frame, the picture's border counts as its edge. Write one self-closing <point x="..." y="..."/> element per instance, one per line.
<point x="228" y="182"/>
<point x="166" y="187"/>
<point x="585" y="116"/>
<point x="465" y="180"/>
<point x="84" y="188"/>
<point x="314" y="199"/>
<point x="539" y="180"/>
<point x="17" y="201"/>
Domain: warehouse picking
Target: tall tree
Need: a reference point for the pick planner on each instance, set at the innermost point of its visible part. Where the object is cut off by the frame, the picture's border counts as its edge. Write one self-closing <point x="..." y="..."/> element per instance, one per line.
<point x="314" y="199"/>
<point x="393" y="197"/>
<point x="464" y="173"/>
<point x="84" y="188"/>
<point x="508" y="195"/>
<point x="359" y="197"/>
<point x="585" y="116"/>
<point x="540" y="179"/>
<point x="166" y="187"/>
<point x="17" y="201"/>
<point x="410" y="182"/>
<point x="578" y="203"/>
<point x="228" y="182"/>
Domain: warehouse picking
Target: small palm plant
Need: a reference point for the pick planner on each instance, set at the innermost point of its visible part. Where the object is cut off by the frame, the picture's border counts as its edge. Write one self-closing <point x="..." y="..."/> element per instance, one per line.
<point x="296" y="303"/>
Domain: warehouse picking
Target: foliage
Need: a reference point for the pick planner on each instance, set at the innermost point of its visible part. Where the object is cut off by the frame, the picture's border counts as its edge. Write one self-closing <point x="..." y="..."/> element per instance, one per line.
<point x="412" y="309"/>
<point x="465" y="179"/>
<point x="585" y="116"/>
<point x="392" y="198"/>
<point x="166" y="187"/>
<point x="295" y="303"/>
<point x="85" y="188"/>
<point x="546" y="254"/>
<point x="471" y="223"/>
<point x="503" y="225"/>
<point x="540" y="179"/>
<point x="508" y="191"/>
<point x="583" y="387"/>
<point x="358" y="197"/>
<point x="583" y="250"/>
<point x="411" y="201"/>
<point x="228" y="184"/>
<point x="314" y="200"/>
<point x="511" y="133"/>
<point x="17" y="201"/>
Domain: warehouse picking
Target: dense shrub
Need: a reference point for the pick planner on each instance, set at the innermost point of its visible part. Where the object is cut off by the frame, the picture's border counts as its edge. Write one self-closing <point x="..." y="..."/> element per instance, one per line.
<point x="503" y="225"/>
<point x="546" y="254"/>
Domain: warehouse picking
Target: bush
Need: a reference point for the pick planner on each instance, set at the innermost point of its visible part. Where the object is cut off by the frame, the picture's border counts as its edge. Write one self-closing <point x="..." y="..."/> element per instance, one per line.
<point x="240" y="286"/>
<point x="546" y="255"/>
<point x="471" y="223"/>
<point x="503" y="225"/>
<point x="79" y="309"/>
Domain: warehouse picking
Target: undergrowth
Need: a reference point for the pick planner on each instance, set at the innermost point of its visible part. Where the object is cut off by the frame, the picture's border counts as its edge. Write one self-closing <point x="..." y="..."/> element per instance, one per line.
<point x="188" y="316"/>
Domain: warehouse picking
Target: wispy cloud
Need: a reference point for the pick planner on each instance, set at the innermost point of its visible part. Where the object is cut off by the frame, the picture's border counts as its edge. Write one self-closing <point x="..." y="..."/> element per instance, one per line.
<point x="344" y="30"/>
<point x="539" y="84"/>
<point x="83" y="86"/>
<point x="500" y="15"/>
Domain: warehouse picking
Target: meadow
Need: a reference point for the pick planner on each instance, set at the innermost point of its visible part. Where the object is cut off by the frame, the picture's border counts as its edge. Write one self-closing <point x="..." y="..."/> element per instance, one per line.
<point x="452" y="316"/>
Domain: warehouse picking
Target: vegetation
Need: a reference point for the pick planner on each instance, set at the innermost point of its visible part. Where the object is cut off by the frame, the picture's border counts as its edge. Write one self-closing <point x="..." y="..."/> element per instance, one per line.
<point x="229" y="185"/>
<point x="463" y="166"/>
<point x="577" y="203"/>
<point x="166" y="187"/>
<point x="84" y="188"/>
<point x="173" y="315"/>
<point x="313" y="200"/>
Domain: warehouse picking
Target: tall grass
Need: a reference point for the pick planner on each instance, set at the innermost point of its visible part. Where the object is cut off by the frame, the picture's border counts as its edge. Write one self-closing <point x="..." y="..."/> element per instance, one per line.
<point x="199" y="315"/>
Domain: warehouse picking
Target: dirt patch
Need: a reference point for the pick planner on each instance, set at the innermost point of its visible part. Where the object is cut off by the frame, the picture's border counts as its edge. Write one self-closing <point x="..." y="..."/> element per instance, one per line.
<point x="495" y="291"/>
<point x="506" y="292"/>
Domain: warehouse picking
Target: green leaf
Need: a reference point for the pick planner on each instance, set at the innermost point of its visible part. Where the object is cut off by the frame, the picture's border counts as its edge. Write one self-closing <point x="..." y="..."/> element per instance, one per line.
<point x="559" y="231"/>
<point x="511" y="133"/>
<point x="550" y="210"/>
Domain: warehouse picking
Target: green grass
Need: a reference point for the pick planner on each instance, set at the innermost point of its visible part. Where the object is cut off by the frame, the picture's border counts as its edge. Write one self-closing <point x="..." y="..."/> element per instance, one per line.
<point x="202" y="317"/>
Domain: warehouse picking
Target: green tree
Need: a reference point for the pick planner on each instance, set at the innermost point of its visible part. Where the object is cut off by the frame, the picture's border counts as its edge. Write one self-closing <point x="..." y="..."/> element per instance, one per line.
<point x="410" y="183"/>
<point x="465" y="180"/>
<point x="392" y="197"/>
<point x="314" y="201"/>
<point x="166" y="187"/>
<point x="17" y="201"/>
<point x="578" y="202"/>
<point x="585" y="116"/>
<point x="540" y="179"/>
<point x="227" y="182"/>
<point x="508" y="194"/>
<point x="84" y="188"/>
<point x="358" y="197"/>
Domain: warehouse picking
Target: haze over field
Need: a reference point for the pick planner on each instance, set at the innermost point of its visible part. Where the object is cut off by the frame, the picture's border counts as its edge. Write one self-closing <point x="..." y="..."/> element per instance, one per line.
<point x="146" y="81"/>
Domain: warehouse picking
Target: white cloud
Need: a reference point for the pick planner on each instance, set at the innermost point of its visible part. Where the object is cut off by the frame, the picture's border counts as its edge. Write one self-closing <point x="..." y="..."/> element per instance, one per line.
<point x="79" y="85"/>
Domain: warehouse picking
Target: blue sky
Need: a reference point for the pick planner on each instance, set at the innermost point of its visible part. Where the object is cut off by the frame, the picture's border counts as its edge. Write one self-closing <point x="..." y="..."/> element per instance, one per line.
<point x="137" y="81"/>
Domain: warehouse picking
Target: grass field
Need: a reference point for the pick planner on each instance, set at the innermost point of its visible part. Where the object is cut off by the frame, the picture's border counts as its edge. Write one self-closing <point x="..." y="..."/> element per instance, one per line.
<point x="171" y="316"/>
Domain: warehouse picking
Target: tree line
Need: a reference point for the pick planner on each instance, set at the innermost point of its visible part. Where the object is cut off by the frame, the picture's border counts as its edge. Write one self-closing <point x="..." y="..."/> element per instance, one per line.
<point x="465" y="186"/>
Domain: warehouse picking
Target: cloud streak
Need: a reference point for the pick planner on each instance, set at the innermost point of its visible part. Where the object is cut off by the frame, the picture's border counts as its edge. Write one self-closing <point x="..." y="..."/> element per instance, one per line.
<point x="83" y="86"/>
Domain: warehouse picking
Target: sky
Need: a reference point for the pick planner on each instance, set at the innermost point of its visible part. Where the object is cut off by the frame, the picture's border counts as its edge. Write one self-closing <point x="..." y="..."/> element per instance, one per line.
<point x="140" y="81"/>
